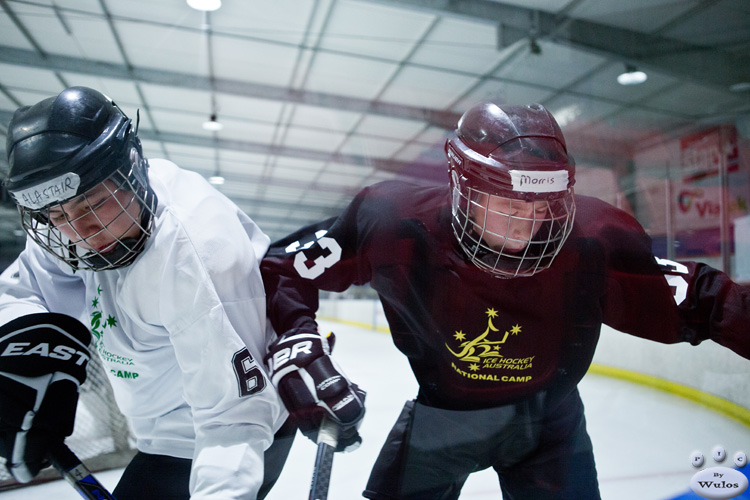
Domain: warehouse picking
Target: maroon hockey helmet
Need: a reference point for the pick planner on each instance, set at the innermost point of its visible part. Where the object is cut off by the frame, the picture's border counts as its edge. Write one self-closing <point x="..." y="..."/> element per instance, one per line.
<point x="518" y="154"/>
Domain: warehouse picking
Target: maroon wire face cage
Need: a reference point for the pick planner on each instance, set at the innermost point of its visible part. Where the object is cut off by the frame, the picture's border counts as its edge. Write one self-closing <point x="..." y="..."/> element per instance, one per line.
<point x="511" y="188"/>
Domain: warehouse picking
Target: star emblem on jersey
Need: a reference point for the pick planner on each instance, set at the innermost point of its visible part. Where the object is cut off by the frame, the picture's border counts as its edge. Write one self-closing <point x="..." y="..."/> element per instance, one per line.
<point x="100" y="323"/>
<point x="482" y="358"/>
<point x="481" y="347"/>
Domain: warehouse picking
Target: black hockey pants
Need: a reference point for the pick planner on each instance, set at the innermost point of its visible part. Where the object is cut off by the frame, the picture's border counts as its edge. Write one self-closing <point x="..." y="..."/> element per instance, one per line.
<point x="160" y="477"/>
<point x="538" y="454"/>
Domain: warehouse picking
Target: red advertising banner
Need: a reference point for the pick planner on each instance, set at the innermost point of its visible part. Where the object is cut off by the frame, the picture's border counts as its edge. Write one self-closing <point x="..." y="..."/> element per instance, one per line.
<point x="701" y="154"/>
<point x="699" y="207"/>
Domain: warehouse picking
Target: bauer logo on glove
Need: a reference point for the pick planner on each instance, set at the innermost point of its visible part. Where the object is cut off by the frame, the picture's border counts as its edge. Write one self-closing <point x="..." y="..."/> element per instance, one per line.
<point x="294" y="351"/>
<point x="312" y="386"/>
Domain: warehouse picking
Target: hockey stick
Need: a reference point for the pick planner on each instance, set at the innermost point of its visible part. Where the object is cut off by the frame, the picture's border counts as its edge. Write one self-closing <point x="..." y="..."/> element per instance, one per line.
<point x="72" y="469"/>
<point x="327" y="440"/>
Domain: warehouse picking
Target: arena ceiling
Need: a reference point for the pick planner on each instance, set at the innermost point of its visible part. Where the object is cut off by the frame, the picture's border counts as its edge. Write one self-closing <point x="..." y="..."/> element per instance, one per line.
<point x="319" y="98"/>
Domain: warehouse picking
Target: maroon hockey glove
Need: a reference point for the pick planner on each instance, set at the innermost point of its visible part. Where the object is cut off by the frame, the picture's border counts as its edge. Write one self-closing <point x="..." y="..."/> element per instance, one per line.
<point x="312" y="386"/>
<point x="43" y="360"/>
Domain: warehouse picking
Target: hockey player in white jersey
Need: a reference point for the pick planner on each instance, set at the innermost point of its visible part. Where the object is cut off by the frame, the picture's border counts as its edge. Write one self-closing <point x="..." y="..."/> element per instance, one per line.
<point x="163" y="270"/>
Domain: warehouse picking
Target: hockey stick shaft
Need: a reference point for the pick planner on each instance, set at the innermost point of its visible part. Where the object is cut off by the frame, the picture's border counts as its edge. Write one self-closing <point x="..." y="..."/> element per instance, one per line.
<point x="72" y="469"/>
<point x="327" y="440"/>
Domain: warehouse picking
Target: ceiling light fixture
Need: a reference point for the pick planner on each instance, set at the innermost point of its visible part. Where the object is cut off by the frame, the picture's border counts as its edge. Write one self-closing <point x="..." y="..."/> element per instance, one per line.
<point x="631" y="76"/>
<point x="740" y="87"/>
<point x="213" y="125"/>
<point x="216" y="180"/>
<point x="568" y="114"/>
<point x="205" y="5"/>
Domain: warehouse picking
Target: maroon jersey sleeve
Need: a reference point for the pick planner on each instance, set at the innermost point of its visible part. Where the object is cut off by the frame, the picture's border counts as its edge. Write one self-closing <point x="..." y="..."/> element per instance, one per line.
<point x="323" y="256"/>
<point x="662" y="300"/>
<point x="711" y="305"/>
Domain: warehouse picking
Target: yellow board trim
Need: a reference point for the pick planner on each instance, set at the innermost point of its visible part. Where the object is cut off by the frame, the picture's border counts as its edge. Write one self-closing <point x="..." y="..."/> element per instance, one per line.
<point x="366" y="326"/>
<point x="714" y="403"/>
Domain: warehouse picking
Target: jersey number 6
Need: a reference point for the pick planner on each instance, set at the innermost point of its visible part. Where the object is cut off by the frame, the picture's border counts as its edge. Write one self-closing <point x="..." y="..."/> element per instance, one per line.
<point x="249" y="376"/>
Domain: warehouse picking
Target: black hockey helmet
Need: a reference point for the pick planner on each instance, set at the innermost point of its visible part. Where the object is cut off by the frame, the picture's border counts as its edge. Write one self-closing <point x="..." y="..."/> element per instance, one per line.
<point x="79" y="132"/>
<point x="517" y="153"/>
<point x="62" y="147"/>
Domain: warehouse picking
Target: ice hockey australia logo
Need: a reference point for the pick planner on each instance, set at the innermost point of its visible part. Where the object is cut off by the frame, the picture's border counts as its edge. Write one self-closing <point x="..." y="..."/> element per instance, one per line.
<point x="481" y="358"/>
<point x="98" y="322"/>
<point x="99" y="325"/>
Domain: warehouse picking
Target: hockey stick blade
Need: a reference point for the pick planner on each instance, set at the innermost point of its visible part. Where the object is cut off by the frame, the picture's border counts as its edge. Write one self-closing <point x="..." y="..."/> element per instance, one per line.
<point x="327" y="440"/>
<point x="72" y="469"/>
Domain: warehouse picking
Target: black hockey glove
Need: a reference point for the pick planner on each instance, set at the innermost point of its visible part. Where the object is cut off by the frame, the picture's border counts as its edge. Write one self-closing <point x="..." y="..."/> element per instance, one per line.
<point x="312" y="386"/>
<point x="43" y="360"/>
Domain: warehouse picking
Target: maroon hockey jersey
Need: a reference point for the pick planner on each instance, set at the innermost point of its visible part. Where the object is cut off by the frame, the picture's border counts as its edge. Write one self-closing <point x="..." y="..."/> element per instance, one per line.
<point x="476" y="341"/>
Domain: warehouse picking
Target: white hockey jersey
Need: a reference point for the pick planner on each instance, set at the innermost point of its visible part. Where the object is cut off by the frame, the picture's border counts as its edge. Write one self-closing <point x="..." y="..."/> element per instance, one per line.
<point x="181" y="332"/>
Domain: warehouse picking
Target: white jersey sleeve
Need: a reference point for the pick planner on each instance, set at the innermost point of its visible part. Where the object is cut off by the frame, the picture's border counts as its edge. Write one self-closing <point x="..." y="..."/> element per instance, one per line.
<point x="211" y="301"/>
<point x="35" y="283"/>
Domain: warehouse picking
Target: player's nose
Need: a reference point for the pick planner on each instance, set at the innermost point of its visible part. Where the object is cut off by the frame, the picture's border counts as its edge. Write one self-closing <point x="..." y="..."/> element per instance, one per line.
<point x="86" y="225"/>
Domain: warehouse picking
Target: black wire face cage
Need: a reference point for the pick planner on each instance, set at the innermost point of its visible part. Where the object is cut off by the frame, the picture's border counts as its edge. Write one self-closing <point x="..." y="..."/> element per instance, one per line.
<point x="521" y="239"/>
<point x="73" y="230"/>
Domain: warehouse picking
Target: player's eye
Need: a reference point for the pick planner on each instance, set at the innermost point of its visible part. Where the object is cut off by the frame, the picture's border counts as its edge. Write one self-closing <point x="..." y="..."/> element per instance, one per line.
<point x="57" y="217"/>
<point x="98" y="203"/>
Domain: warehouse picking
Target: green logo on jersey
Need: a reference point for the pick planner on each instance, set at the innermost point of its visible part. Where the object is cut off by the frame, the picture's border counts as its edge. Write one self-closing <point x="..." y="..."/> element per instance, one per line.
<point x="99" y="325"/>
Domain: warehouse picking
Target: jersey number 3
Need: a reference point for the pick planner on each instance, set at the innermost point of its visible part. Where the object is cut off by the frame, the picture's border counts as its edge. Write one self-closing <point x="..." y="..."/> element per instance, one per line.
<point x="673" y="271"/>
<point x="320" y="263"/>
<point x="249" y="376"/>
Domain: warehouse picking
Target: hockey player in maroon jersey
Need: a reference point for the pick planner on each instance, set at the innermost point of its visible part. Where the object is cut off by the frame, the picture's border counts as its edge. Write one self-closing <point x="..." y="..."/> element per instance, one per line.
<point x="495" y="288"/>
